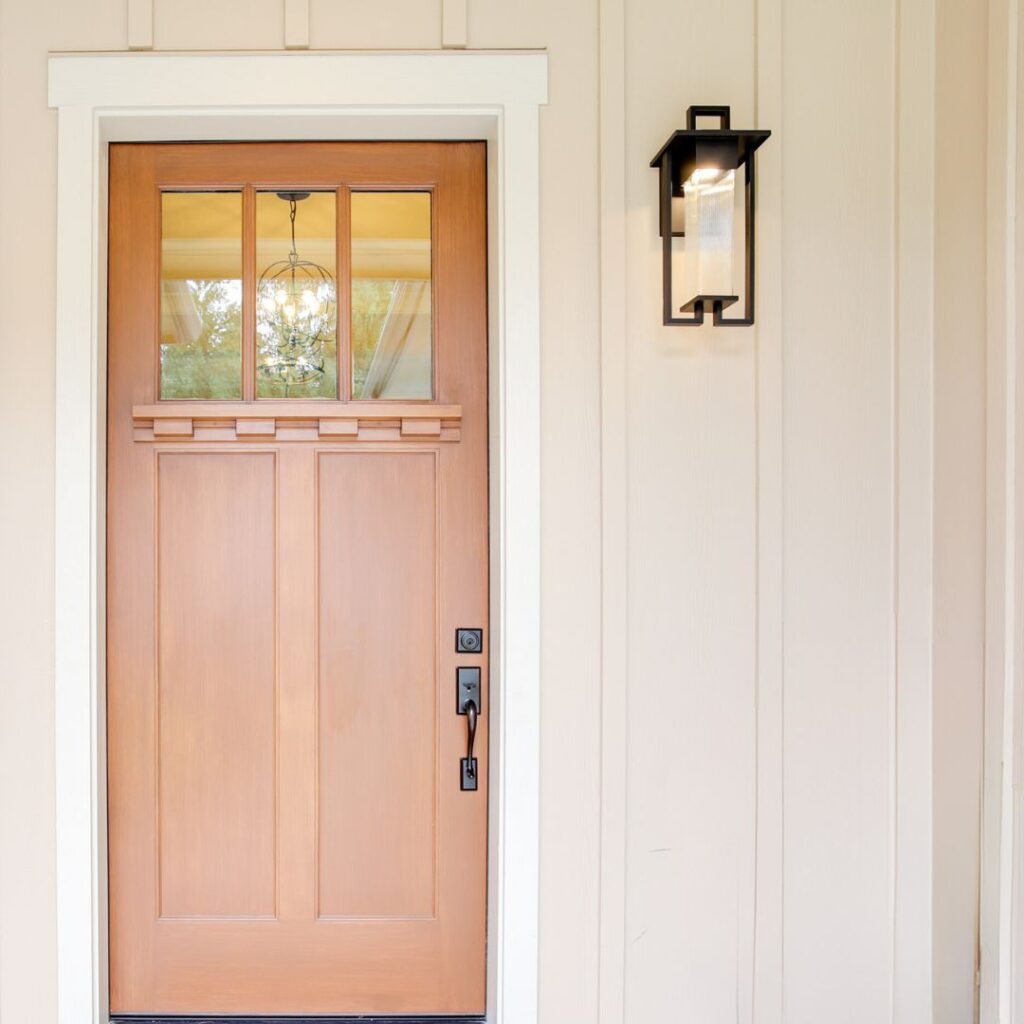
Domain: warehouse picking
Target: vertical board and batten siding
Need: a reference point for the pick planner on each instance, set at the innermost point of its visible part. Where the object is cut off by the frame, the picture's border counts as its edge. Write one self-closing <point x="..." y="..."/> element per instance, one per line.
<point x="570" y="488"/>
<point x="1006" y="937"/>
<point x="690" y="740"/>
<point x="838" y="179"/>
<point x="781" y="766"/>
<point x="960" y="501"/>
<point x="999" y="186"/>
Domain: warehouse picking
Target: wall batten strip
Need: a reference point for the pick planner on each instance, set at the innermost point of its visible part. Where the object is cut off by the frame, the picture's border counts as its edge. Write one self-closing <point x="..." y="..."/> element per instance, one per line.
<point x="1010" y="923"/>
<point x="614" y="510"/>
<point x="140" y="24"/>
<point x="769" y="951"/>
<point x="998" y="388"/>
<point x="454" y="24"/>
<point x="296" y="24"/>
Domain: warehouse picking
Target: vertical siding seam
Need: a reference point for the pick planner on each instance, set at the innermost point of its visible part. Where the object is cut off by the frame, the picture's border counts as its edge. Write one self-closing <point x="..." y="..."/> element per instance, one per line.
<point x="894" y="516"/>
<point x="1010" y="838"/>
<point x="614" y="370"/>
<point x="768" y="953"/>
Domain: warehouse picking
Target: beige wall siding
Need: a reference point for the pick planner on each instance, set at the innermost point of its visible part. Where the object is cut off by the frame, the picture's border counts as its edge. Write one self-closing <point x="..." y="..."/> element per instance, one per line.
<point x="27" y="224"/>
<point x="727" y="699"/>
<point x="570" y="504"/>
<point x="838" y="177"/>
<point x="692" y="564"/>
<point x="960" y="479"/>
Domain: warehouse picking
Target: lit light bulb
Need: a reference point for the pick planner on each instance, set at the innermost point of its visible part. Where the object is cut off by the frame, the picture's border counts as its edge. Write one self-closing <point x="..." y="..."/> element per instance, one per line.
<point x="281" y="297"/>
<point x="704" y="176"/>
<point x="289" y="312"/>
<point x="269" y="306"/>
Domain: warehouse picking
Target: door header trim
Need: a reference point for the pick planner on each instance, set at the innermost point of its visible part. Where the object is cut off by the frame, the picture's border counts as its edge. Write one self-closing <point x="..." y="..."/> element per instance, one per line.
<point x="308" y="79"/>
<point x="104" y="98"/>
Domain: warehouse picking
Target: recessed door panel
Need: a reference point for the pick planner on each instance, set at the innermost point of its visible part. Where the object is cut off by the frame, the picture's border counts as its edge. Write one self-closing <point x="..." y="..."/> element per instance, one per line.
<point x="215" y="684"/>
<point x="378" y="684"/>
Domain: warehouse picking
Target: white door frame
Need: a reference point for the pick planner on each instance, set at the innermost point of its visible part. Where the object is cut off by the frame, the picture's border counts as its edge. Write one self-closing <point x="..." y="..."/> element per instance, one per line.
<point x="103" y="98"/>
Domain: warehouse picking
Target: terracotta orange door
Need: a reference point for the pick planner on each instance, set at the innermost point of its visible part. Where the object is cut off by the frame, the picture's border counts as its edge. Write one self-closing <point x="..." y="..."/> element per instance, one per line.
<point x="297" y="529"/>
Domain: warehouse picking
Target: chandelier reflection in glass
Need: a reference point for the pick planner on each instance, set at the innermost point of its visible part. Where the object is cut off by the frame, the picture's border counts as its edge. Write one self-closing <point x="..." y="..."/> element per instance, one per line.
<point x="296" y="314"/>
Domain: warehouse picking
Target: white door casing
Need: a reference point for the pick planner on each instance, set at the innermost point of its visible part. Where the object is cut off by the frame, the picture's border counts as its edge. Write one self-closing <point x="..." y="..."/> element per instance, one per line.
<point x="147" y="97"/>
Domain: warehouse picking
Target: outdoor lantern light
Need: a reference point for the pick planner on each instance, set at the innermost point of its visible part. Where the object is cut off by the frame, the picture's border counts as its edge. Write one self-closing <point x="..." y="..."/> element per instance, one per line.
<point x="706" y="190"/>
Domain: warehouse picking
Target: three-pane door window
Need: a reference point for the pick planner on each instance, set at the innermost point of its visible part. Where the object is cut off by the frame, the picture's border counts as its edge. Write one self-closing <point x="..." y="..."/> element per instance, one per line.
<point x="265" y="294"/>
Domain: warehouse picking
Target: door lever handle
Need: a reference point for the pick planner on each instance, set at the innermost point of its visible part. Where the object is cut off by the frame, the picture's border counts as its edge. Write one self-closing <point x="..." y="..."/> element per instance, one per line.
<point x="469" y="761"/>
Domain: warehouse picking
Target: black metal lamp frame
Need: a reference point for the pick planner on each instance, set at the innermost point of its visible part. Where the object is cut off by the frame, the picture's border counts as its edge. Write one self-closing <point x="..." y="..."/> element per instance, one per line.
<point x="686" y="149"/>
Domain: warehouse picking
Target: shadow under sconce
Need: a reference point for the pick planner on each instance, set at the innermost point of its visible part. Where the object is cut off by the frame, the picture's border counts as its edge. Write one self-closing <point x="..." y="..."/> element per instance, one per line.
<point x="706" y="222"/>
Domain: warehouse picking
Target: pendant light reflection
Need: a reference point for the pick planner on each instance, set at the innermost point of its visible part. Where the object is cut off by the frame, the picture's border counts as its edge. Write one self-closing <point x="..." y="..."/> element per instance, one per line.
<point x="296" y="314"/>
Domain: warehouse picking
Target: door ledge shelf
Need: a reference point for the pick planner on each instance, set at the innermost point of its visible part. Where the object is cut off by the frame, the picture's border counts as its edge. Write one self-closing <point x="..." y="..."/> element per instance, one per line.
<point x="298" y="421"/>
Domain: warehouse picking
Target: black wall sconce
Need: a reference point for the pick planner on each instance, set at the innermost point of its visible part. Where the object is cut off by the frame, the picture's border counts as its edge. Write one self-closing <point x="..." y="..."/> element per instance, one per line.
<point x="699" y="203"/>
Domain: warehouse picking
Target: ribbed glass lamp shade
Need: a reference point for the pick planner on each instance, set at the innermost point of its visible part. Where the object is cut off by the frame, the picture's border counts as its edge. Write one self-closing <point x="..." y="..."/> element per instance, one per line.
<point x="709" y="198"/>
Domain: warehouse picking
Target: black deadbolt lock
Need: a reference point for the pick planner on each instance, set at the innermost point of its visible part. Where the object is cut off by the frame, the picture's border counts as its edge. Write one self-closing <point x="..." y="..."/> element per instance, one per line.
<point x="468" y="641"/>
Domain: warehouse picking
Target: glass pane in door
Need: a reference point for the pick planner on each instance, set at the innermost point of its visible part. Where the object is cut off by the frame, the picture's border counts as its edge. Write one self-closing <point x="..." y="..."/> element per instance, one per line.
<point x="392" y="326"/>
<point x="201" y="295"/>
<point x="296" y="295"/>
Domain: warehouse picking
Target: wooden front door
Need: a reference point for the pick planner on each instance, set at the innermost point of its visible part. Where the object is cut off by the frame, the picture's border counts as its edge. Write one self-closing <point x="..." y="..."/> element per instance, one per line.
<point x="297" y="529"/>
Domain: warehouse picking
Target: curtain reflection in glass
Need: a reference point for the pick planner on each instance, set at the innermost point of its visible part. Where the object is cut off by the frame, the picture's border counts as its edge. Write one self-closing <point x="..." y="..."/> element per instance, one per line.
<point x="392" y="331"/>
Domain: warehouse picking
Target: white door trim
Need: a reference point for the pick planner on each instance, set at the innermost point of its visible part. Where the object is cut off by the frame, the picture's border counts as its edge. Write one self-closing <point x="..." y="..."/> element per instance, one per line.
<point x="103" y="98"/>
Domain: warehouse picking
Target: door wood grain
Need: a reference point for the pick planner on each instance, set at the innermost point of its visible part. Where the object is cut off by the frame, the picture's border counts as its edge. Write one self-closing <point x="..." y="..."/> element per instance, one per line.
<point x="215" y="701"/>
<point x="378" y="701"/>
<point x="287" y="831"/>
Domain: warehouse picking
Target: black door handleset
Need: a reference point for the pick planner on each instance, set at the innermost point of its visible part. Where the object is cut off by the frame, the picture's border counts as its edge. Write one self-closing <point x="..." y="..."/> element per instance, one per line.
<point x="468" y="703"/>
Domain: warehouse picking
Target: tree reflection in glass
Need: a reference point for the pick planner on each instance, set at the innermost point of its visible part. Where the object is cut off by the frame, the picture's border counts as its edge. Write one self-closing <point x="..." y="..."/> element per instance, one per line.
<point x="201" y="295"/>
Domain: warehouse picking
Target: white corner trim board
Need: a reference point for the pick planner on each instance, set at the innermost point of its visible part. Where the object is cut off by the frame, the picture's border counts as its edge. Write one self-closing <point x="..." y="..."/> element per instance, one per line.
<point x="105" y="98"/>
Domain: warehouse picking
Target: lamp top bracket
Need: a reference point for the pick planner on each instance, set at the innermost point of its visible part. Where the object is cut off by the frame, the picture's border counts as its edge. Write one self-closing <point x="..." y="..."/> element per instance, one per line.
<point x="682" y="144"/>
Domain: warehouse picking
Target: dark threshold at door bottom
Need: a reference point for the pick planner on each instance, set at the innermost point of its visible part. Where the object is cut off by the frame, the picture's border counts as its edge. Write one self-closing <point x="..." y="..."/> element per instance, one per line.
<point x="135" y="1019"/>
